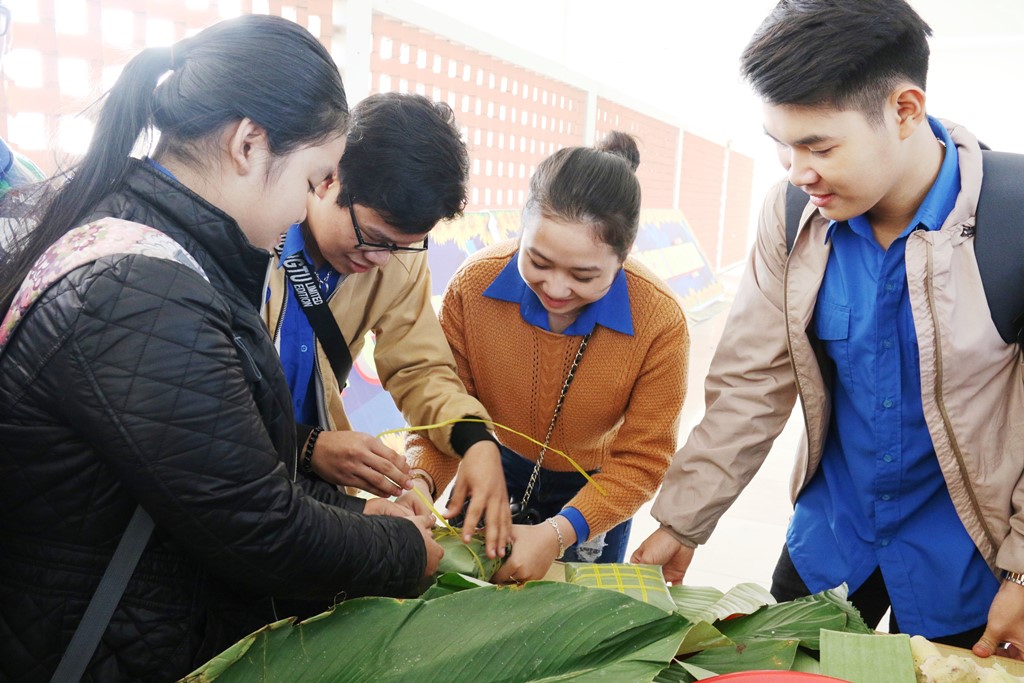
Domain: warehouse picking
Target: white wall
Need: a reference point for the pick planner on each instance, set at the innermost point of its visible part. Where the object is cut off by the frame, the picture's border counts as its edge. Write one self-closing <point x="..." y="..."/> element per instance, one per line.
<point x="661" y="52"/>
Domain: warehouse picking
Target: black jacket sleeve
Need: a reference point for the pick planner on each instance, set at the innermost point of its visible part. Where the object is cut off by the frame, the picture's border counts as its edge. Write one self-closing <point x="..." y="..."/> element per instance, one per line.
<point x="148" y="373"/>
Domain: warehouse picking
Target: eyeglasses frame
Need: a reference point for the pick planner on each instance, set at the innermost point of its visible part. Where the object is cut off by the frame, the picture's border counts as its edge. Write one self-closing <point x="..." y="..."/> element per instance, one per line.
<point x="363" y="245"/>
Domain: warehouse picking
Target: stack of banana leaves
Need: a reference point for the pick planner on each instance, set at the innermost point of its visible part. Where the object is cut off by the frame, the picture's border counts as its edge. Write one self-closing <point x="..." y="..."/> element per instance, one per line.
<point x="619" y="623"/>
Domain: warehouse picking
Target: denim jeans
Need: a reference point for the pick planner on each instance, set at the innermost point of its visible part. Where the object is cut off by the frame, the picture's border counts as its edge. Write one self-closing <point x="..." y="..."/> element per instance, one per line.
<point x="550" y="494"/>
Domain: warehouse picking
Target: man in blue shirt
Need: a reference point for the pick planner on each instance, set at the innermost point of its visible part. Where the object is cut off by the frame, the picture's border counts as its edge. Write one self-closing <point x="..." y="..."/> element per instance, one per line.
<point x="363" y="246"/>
<point x="909" y="489"/>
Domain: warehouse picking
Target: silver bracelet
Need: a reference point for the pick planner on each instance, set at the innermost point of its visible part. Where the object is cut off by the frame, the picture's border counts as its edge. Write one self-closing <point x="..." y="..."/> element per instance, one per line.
<point x="1014" y="577"/>
<point x="561" y="541"/>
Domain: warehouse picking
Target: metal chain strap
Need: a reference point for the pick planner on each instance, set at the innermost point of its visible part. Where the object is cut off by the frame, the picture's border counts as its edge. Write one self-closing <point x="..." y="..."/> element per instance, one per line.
<point x="551" y="428"/>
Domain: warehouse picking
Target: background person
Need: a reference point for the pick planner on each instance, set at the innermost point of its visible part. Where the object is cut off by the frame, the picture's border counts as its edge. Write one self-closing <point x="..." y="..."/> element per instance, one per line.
<point x="909" y="486"/>
<point x="516" y="314"/>
<point x="135" y="381"/>
<point x="405" y="168"/>
<point x="16" y="169"/>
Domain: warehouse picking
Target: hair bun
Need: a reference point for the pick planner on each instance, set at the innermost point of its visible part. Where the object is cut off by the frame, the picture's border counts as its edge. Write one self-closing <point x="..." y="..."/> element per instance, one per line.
<point x="621" y="144"/>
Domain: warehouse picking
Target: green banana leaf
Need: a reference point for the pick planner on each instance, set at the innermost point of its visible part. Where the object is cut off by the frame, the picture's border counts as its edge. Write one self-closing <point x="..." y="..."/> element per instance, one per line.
<point x="801" y="619"/>
<point x="542" y="631"/>
<point x="711" y="605"/>
<point x="449" y="583"/>
<point x="864" y="658"/>
<point x="701" y="636"/>
<point x="465" y="558"/>
<point x="675" y="673"/>
<point x="753" y="655"/>
<point x="805" y="662"/>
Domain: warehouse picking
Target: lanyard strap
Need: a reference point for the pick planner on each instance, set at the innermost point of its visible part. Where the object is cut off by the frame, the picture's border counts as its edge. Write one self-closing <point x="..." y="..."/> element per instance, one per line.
<point x="314" y="306"/>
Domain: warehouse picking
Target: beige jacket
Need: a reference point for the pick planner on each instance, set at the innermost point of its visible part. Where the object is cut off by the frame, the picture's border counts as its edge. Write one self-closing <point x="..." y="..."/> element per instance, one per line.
<point x="972" y="381"/>
<point x="413" y="360"/>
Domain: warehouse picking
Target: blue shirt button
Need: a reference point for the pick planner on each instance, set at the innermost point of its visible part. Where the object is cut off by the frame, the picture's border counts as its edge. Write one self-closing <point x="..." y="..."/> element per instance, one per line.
<point x="887" y="457"/>
<point x="889" y="286"/>
<point x="884" y="542"/>
<point x="887" y="403"/>
<point x="886" y="496"/>
<point x="303" y="348"/>
<point x="887" y="343"/>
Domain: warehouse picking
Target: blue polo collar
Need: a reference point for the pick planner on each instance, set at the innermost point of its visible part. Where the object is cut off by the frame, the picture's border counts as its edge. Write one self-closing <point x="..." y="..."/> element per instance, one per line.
<point x="612" y="311"/>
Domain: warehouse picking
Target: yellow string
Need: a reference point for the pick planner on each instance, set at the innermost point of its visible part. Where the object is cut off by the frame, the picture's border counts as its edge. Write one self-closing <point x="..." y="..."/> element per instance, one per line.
<point x="507" y="429"/>
<point x="426" y="499"/>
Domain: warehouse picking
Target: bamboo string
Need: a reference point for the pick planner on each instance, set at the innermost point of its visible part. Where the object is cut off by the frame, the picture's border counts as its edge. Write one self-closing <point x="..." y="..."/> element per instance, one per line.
<point x="501" y="426"/>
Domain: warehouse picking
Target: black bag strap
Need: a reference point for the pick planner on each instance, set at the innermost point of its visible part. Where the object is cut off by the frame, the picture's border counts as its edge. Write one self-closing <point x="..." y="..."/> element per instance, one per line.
<point x="311" y="301"/>
<point x="108" y="594"/>
<point x="796" y="200"/>
<point x="999" y="241"/>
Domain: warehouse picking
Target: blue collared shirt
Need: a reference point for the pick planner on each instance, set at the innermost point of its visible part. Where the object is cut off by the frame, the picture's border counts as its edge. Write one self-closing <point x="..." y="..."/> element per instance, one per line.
<point x="612" y="311"/>
<point x="879" y="498"/>
<point x="297" y="341"/>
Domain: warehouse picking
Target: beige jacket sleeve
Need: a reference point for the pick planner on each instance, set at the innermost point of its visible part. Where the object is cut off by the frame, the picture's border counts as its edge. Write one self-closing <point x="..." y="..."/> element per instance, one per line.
<point x="415" y="363"/>
<point x="424" y="454"/>
<point x="749" y="393"/>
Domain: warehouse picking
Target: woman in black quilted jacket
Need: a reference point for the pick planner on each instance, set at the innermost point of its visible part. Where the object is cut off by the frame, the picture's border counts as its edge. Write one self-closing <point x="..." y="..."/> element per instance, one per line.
<point x="137" y="380"/>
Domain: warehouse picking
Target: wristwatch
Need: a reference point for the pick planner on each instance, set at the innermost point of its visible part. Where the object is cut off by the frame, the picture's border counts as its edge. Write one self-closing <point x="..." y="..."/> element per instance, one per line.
<point x="1014" y="577"/>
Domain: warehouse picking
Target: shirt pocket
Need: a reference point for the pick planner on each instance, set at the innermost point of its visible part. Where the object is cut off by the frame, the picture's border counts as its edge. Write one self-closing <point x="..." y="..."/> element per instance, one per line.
<point x="832" y="326"/>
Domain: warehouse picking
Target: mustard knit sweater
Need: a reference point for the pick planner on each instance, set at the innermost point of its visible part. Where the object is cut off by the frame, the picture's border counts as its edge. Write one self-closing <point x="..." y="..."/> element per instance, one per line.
<point x="621" y="414"/>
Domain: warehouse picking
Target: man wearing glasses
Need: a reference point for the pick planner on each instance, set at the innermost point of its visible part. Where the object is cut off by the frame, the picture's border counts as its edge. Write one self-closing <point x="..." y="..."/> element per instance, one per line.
<point x="360" y="255"/>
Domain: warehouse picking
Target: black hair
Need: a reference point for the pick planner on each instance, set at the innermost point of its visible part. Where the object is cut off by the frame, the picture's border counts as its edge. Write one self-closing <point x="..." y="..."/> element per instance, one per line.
<point x="264" y="68"/>
<point x="405" y="159"/>
<point x="593" y="185"/>
<point x="847" y="55"/>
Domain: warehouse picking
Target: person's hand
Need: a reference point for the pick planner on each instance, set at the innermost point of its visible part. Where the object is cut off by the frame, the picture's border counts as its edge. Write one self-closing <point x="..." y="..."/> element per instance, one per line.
<point x="534" y="549"/>
<point x="349" y="458"/>
<point x="413" y="501"/>
<point x="434" y="550"/>
<point x="662" y="549"/>
<point x="1005" y="624"/>
<point x="383" y="506"/>
<point x="482" y="480"/>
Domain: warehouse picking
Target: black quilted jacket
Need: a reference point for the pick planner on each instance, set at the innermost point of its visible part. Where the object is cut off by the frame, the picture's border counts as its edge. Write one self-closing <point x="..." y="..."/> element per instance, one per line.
<point x="134" y="380"/>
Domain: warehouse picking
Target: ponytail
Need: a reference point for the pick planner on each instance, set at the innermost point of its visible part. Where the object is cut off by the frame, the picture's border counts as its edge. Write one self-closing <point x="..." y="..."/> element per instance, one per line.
<point x="260" y="67"/>
<point x="127" y="109"/>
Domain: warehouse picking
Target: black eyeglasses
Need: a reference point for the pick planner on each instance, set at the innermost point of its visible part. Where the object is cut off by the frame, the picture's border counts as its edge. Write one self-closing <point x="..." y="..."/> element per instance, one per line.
<point x="363" y="245"/>
<point x="5" y="20"/>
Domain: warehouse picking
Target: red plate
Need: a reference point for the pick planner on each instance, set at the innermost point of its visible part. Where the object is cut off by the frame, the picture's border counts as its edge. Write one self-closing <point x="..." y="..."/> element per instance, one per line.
<point x="773" y="677"/>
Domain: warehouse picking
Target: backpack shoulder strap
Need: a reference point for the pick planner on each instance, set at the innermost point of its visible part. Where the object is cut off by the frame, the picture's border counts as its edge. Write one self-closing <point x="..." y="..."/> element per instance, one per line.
<point x="999" y="241"/>
<point x="85" y="244"/>
<point x="796" y="200"/>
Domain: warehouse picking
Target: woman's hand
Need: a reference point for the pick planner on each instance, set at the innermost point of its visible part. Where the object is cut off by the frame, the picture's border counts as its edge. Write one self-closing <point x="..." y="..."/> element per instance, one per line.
<point x="383" y="506"/>
<point x="482" y="480"/>
<point x="347" y="458"/>
<point x="434" y="550"/>
<point x="414" y="501"/>
<point x="534" y="550"/>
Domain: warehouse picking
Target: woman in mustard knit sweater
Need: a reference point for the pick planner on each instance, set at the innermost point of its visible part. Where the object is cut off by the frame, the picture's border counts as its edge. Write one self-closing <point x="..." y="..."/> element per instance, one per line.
<point x="519" y="315"/>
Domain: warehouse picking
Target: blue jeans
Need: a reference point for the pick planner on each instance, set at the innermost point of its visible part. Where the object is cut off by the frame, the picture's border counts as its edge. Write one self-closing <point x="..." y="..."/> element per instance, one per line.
<point x="550" y="494"/>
